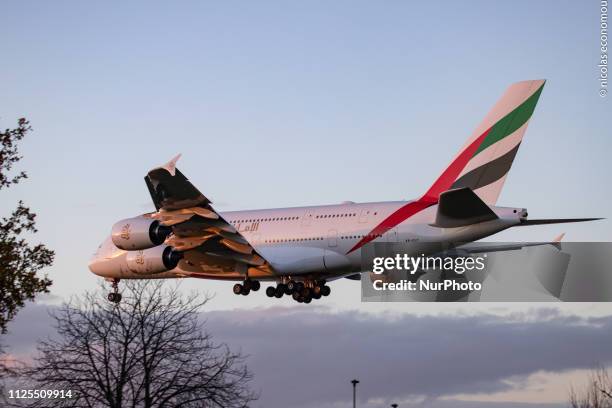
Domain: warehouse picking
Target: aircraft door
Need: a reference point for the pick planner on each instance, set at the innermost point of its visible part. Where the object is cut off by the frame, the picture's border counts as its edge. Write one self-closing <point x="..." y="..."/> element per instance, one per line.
<point x="255" y="239"/>
<point x="332" y="238"/>
<point x="391" y="235"/>
<point x="364" y="215"/>
<point x="307" y="218"/>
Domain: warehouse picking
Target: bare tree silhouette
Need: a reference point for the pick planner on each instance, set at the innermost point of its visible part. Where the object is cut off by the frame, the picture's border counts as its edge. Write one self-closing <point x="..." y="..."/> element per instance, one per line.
<point x="150" y="350"/>
<point x="596" y="394"/>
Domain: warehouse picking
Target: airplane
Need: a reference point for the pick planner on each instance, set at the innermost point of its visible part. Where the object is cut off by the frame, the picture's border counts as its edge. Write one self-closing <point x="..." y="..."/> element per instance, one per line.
<point x="300" y="249"/>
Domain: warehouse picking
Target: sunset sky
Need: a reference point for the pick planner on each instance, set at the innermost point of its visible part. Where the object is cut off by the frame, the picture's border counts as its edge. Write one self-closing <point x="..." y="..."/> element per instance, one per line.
<point x="276" y="104"/>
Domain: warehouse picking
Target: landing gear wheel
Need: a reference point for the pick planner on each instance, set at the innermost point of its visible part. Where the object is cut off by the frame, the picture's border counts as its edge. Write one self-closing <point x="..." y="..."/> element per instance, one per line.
<point x="305" y="292"/>
<point x="325" y="290"/>
<point x="270" y="291"/>
<point x="296" y="296"/>
<point x="279" y="291"/>
<point x="316" y="291"/>
<point x="114" y="296"/>
<point x="245" y="290"/>
<point x="238" y="289"/>
<point x="291" y="285"/>
<point x="307" y="299"/>
<point x="255" y="285"/>
<point x="316" y="295"/>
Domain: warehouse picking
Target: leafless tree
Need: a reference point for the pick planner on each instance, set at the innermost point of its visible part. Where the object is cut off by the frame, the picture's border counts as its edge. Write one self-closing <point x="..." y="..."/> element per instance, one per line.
<point x="150" y="350"/>
<point x="596" y="394"/>
<point x="9" y="369"/>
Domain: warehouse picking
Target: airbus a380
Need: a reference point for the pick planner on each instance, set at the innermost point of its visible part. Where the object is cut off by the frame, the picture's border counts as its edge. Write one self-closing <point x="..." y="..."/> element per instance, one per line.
<point x="300" y="249"/>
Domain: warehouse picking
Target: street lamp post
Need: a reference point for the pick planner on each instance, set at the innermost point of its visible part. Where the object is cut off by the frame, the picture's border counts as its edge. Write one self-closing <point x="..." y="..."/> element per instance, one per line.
<point x="355" y="382"/>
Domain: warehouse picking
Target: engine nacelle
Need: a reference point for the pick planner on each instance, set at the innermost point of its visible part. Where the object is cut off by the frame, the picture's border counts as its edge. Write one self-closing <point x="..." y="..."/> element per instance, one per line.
<point x="162" y="258"/>
<point x="139" y="233"/>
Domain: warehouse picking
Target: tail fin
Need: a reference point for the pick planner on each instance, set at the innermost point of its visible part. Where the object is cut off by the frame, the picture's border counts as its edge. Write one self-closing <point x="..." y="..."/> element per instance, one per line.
<point x="484" y="161"/>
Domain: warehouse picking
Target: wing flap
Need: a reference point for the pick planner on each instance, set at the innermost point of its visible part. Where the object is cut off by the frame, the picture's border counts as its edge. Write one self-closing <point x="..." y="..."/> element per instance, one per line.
<point x="235" y="246"/>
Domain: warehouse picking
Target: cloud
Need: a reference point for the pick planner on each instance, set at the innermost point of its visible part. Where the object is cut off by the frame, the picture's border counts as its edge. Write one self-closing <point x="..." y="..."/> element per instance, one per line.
<point x="308" y="356"/>
<point x="305" y="357"/>
<point x="32" y="323"/>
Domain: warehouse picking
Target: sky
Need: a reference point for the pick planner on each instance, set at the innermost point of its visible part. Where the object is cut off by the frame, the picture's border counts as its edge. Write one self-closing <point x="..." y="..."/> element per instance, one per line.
<point x="278" y="104"/>
<point x="305" y="357"/>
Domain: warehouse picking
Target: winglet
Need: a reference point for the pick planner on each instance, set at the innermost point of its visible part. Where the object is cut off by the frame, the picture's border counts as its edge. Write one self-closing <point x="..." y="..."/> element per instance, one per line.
<point x="171" y="165"/>
<point x="559" y="238"/>
<point x="557" y="241"/>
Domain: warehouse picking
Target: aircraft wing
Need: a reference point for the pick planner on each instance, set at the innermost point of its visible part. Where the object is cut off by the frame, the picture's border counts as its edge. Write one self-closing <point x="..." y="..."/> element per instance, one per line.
<point x="199" y="231"/>
<point x="171" y="190"/>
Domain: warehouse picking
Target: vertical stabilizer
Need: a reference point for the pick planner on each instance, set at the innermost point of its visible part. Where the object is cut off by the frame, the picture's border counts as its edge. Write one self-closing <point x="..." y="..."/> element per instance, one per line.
<point x="483" y="162"/>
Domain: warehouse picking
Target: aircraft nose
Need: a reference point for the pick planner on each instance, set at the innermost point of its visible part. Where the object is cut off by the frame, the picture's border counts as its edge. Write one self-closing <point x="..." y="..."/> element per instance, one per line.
<point x="98" y="264"/>
<point x="95" y="265"/>
<point x="107" y="261"/>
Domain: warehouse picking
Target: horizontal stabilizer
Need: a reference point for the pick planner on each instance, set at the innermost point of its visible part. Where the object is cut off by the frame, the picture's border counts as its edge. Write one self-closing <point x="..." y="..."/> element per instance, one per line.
<point x="460" y="207"/>
<point x="490" y="247"/>
<point x="556" y="221"/>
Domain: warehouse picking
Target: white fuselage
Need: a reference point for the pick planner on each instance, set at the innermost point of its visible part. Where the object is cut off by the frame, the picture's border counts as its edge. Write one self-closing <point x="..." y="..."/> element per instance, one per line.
<point x="319" y="240"/>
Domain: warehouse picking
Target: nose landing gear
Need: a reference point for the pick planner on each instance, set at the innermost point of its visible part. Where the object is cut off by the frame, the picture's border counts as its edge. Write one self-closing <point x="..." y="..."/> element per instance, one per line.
<point x="114" y="296"/>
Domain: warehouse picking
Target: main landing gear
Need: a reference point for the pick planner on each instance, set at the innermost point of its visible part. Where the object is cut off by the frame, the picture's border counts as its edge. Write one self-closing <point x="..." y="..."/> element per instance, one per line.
<point x="115" y="296"/>
<point x="301" y="292"/>
<point x="246" y="287"/>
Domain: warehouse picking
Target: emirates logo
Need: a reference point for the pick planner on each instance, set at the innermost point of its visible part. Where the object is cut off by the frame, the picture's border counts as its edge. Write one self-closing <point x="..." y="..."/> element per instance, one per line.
<point x="140" y="258"/>
<point x="125" y="232"/>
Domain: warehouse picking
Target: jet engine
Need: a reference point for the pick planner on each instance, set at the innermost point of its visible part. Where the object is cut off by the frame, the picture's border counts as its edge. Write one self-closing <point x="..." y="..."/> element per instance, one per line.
<point x="162" y="258"/>
<point x="139" y="233"/>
